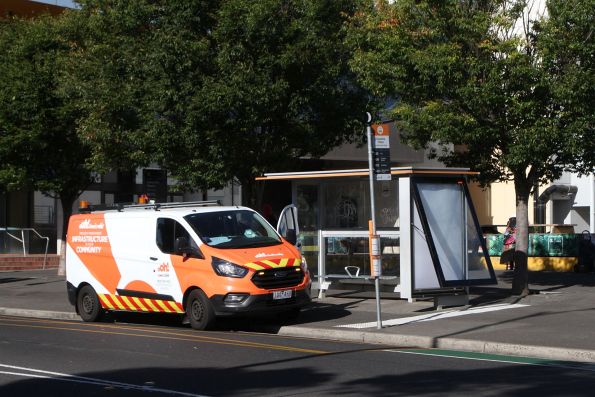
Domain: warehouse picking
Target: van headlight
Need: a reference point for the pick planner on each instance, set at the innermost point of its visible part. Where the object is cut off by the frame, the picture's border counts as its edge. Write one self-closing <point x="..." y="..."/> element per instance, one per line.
<point x="304" y="265"/>
<point x="227" y="269"/>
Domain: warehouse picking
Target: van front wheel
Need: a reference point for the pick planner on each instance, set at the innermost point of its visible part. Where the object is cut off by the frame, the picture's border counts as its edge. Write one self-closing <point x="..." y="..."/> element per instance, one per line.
<point x="199" y="310"/>
<point x="87" y="304"/>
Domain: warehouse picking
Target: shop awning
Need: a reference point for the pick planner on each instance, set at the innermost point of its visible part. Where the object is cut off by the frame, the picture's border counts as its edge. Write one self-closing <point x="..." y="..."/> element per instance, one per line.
<point x="400" y="171"/>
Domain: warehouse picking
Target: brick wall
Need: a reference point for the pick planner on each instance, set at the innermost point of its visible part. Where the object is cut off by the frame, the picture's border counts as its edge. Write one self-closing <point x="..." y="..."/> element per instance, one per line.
<point x="30" y="262"/>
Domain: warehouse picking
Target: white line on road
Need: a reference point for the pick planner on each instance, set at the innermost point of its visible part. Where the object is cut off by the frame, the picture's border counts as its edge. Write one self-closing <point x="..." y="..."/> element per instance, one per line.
<point x="435" y="316"/>
<point x="38" y="373"/>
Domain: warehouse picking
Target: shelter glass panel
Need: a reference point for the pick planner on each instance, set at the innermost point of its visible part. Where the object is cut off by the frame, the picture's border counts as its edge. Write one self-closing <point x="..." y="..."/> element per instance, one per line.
<point x="346" y="205"/>
<point x="350" y="256"/>
<point x="456" y="244"/>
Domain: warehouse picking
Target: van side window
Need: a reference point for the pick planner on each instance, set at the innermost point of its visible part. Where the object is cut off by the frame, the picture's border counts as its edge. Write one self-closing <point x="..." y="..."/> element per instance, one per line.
<point x="167" y="232"/>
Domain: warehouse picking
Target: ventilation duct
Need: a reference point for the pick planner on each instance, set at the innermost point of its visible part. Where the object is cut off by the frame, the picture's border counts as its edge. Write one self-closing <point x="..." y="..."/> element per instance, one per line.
<point x="560" y="192"/>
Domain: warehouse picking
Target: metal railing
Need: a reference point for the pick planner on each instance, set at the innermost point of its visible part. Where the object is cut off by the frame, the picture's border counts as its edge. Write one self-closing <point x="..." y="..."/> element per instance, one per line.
<point x="18" y="234"/>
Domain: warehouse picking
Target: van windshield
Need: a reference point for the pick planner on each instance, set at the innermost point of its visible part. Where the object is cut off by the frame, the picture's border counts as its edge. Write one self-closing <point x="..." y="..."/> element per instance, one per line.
<point x="233" y="229"/>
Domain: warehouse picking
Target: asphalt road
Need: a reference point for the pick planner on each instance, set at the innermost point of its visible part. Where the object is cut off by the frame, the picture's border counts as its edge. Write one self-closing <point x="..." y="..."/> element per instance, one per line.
<point x="61" y="358"/>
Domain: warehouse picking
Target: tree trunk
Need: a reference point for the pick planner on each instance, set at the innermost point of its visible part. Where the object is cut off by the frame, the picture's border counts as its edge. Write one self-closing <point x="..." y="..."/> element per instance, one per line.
<point x="66" y="201"/>
<point x="520" y="282"/>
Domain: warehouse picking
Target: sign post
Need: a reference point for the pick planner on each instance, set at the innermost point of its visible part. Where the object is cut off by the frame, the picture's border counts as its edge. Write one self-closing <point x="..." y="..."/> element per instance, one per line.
<point x="379" y="166"/>
<point x="381" y="147"/>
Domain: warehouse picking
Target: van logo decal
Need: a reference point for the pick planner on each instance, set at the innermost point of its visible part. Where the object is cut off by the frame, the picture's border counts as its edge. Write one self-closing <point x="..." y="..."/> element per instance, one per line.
<point x="164" y="267"/>
<point x="263" y="255"/>
<point x="281" y="274"/>
<point x="86" y="224"/>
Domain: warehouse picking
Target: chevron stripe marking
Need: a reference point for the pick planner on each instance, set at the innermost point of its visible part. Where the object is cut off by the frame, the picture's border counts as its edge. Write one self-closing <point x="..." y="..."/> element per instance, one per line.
<point x="119" y="302"/>
<point x="139" y="304"/>
<point x="113" y="300"/>
<point x="174" y="306"/>
<point x="270" y="263"/>
<point x="163" y="305"/>
<point x="255" y="266"/>
<point x="153" y="305"/>
<point x="251" y="265"/>
<point x="128" y="303"/>
<point x="133" y="303"/>
<point x="105" y="303"/>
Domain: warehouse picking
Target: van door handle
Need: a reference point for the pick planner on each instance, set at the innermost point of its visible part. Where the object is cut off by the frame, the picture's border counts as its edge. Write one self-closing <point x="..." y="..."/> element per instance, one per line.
<point x="153" y="258"/>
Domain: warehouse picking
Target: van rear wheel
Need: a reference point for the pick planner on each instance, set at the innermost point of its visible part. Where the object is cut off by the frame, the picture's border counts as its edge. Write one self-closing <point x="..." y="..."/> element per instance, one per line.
<point x="87" y="304"/>
<point x="199" y="311"/>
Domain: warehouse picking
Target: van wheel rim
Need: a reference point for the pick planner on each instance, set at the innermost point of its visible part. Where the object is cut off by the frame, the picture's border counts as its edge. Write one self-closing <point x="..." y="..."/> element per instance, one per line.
<point x="87" y="304"/>
<point x="197" y="310"/>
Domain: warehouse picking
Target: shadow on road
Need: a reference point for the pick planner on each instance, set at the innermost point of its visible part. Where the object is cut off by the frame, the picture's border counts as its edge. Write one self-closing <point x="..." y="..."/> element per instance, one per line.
<point x="320" y="375"/>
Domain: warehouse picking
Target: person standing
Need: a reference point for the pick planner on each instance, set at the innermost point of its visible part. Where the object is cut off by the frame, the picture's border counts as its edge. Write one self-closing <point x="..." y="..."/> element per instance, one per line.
<point x="509" y="243"/>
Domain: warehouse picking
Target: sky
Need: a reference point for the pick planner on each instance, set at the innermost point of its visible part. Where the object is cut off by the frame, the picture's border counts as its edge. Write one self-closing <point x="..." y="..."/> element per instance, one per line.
<point x="62" y="3"/>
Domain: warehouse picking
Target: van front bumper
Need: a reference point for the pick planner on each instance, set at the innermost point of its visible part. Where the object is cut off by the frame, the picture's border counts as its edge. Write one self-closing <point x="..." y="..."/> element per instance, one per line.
<point x="260" y="304"/>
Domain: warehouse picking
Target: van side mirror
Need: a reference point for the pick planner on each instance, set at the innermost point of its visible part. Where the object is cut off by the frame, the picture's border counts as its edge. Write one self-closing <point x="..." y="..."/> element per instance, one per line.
<point x="182" y="247"/>
<point x="291" y="236"/>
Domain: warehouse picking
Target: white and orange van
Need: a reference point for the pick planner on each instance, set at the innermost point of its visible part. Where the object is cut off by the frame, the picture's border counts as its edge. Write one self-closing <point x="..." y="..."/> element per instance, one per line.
<point x="198" y="258"/>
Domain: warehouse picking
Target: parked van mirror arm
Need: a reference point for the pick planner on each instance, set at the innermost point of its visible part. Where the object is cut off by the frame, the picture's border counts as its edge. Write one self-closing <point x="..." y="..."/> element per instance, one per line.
<point x="290" y="236"/>
<point x="182" y="247"/>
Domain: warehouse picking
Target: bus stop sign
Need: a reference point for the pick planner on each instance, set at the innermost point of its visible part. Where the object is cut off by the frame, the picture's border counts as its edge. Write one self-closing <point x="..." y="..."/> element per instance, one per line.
<point x="381" y="152"/>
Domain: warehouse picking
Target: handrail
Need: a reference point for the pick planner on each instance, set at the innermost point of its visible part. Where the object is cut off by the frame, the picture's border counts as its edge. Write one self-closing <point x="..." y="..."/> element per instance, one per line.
<point x="22" y="239"/>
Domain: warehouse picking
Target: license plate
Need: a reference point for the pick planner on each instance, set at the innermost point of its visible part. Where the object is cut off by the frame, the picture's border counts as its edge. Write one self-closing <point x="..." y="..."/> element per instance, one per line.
<point x="286" y="294"/>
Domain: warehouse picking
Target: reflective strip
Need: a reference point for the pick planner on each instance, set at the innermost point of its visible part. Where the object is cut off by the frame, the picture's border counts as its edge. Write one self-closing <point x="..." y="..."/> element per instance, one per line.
<point x="105" y="303"/>
<point x="254" y="266"/>
<point x="139" y="303"/>
<point x="274" y="263"/>
<point x="163" y="305"/>
<point x="174" y="306"/>
<point x="149" y="303"/>
<point x="135" y="304"/>
<point x="270" y="263"/>
<point x="128" y="304"/>
<point x="112" y="301"/>
<point x="118" y="302"/>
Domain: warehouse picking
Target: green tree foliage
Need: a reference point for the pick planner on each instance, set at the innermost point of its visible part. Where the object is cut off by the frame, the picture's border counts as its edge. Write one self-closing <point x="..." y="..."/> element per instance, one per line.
<point x="39" y="146"/>
<point x="474" y="74"/>
<point x="283" y="88"/>
<point x="567" y="42"/>
<point x="216" y="90"/>
<point x="140" y="70"/>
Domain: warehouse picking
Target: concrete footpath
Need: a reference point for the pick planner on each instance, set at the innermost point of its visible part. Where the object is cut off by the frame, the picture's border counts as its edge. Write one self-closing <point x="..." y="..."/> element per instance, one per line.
<point x="557" y="321"/>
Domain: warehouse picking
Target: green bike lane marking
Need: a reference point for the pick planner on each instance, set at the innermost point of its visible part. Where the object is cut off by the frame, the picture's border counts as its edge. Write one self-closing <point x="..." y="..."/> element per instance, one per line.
<point x="582" y="366"/>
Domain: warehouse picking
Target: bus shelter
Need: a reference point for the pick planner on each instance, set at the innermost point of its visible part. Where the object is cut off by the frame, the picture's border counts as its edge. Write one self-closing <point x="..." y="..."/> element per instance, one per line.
<point x="430" y="237"/>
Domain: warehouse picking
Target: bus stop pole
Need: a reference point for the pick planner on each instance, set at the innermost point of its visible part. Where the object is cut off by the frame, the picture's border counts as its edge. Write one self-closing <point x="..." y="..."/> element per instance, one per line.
<point x="373" y="210"/>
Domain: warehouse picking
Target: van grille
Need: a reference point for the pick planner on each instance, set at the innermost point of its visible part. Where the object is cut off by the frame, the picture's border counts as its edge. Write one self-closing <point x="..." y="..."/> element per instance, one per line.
<point x="278" y="278"/>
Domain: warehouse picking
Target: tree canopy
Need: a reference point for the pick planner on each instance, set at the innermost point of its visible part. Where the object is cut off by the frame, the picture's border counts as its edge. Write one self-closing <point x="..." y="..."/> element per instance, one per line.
<point x="216" y="90"/>
<point x="39" y="145"/>
<point x="482" y="75"/>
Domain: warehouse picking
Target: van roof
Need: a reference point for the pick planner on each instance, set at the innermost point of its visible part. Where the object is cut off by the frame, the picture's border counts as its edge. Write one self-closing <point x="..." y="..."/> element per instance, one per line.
<point x="177" y="208"/>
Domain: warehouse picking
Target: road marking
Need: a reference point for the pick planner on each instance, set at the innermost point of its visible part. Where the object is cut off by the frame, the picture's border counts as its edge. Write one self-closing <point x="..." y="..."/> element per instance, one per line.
<point x="435" y="316"/>
<point x="497" y="358"/>
<point x="149" y="333"/>
<point x="38" y="373"/>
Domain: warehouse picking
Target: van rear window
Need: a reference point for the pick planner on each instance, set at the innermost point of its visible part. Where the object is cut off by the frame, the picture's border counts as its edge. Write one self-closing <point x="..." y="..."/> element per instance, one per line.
<point x="233" y="229"/>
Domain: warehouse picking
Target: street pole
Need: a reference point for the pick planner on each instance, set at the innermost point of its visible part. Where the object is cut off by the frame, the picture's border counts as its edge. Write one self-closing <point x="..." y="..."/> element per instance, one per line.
<point x="373" y="210"/>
